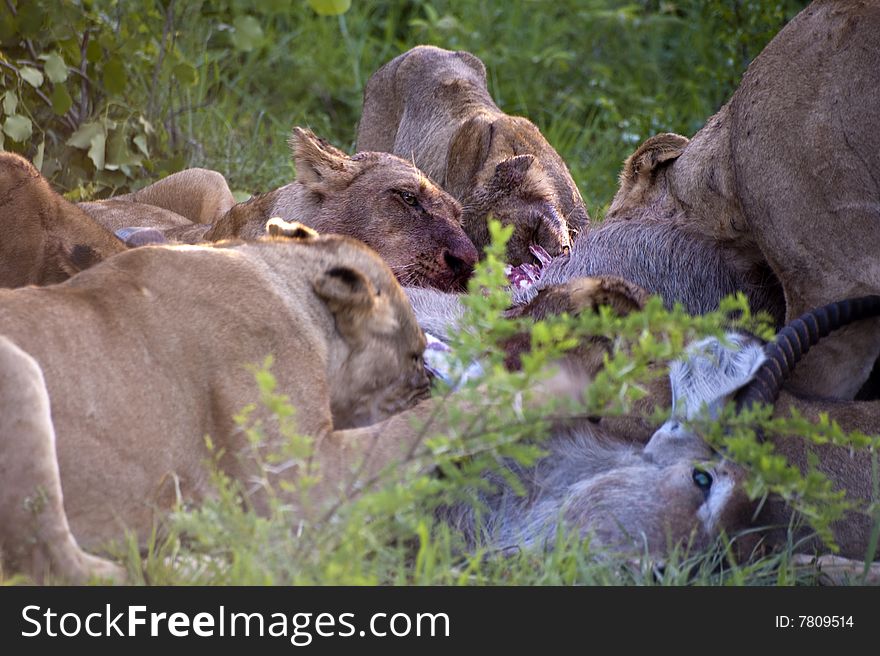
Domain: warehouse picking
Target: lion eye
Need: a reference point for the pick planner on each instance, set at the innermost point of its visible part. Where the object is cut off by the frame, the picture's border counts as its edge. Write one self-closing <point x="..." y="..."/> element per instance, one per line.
<point x="702" y="479"/>
<point x="409" y="198"/>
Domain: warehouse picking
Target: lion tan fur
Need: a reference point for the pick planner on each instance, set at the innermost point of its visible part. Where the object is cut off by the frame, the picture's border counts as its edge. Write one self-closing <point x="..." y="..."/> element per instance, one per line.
<point x="190" y="196"/>
<point x="131" y="402"/>
<point x="377" y="198"/>
<point x="46" y="239"/>
<point x="786" y="175"/>
<point x="433" y="106"/>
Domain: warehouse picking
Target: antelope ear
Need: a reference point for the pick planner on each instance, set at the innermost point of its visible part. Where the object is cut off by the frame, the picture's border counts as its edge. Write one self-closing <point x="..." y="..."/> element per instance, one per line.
<point x="137" y="236"/>
<point x="467" y="154"/>
<point x="582" y="294"/>
<point x="321" y="167"/>
<point x="355" y="304"/>
<point x="643" y="164"/>
<point x="278" y="227"/>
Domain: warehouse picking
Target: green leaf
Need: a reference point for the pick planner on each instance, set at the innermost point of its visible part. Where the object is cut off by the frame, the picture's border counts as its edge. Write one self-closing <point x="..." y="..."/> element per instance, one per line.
<point x="30" y="18"/>
<point x="18" y="127"/>
<point x="114" y="76"/>
<point x="330" y="7"/>
<point x="31" y="75"/>
<point x="93" y="52"/>
<point x="141" y="142"/>
<point x="38" y="158"/>
<point x="55" y="68"/>
<point x="148" y="127"/>
<point x="185" y="73"/>
<point x="82" y="138"/>
<point x="96" y="151"/>
<point x="10" y="102"/>
<point x="61" y="100"/>
<point x="119" y="155"/>
<point x="248" y="33"/>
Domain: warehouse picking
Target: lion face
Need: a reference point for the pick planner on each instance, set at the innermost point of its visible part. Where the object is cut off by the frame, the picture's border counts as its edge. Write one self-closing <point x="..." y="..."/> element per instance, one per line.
<point x="382" y="370"/>
<point x="391" y="206"/>
<point x="412" y="223"/>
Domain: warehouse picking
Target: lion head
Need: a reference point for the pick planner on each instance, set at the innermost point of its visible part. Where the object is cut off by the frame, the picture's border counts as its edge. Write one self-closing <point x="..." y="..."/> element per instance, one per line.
<point x="391" y="206"/>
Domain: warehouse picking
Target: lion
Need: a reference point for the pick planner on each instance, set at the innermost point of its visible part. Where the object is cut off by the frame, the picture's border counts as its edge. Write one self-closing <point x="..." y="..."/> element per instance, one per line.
<point x="785" y="178"/>
<point x="377" y="198"/>
<point x="131" y="402"/>
<point x="122" y="442"/>
<point x="190" y="196"/>
<point x="194" y="195"/>
<point x="433" y="106"/>
<point x="46" y="239"/>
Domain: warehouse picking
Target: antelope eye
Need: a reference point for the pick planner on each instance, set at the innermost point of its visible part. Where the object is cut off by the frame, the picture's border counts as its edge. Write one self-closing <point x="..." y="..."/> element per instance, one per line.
<point x="408" y="198"/>
<point x="702" y="479"/>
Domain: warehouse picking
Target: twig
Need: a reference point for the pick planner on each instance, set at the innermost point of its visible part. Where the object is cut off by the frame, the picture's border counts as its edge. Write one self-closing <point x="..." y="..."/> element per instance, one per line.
<point x="27" y="42"/>
<point x="83" y="112"/>
<point x="169" y="22"/>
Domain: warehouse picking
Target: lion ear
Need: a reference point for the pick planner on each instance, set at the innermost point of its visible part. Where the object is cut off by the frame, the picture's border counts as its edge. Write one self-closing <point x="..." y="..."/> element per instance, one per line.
<point x="621" y="295"/>
<point x="467" y="154"/>
<point x="511" y="173"/>
<point x="320" y="166"/>
<point x="643" y="163"/>
<point x="278" y="227"/>
<point x="355" y="304"/>
<point x="639" y="174"/>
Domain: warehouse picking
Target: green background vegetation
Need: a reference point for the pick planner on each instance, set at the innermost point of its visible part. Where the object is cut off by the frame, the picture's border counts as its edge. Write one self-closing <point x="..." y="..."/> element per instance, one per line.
<point x="109" y="95"/>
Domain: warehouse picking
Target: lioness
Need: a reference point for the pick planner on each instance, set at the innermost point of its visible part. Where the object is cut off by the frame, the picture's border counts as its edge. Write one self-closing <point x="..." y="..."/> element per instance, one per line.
<point x="131" y="399"/>
<point x="433" y="106"/>
<point x="190" y="196"/>
<point x="785" y="176"/>
<point x="380" y="199"/>
<point x="45" y="239"/>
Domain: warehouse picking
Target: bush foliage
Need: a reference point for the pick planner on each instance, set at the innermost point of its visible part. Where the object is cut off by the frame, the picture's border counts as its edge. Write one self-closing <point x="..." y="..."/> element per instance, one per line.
<point x="109" y="95"/>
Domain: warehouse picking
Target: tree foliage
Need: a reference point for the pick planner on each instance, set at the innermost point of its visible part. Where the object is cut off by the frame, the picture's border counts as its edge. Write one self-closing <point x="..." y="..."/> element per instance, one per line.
<point x="108" y="95"/>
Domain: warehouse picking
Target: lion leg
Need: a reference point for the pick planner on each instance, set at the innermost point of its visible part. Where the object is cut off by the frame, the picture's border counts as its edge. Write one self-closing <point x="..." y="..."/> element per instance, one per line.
<point x="34" y="534"/>
<point x="832" y="256"/>
<point x="200" y="195"/>
<point x="807" y="176"/>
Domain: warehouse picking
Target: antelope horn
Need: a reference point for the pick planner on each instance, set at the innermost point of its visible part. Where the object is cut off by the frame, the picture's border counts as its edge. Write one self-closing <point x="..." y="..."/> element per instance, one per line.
<point x="796" y="339"/>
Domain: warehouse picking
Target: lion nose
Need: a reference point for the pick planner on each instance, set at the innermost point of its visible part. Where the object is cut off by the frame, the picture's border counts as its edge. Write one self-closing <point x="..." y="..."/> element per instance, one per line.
<point x="461" y="260"/>
<point x="457" y="265"/>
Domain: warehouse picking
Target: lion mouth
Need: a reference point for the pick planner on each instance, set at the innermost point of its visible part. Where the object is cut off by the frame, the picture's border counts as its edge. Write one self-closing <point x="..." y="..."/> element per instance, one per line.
<point x="527" y="274"/>
<point x="428" y="272"/>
